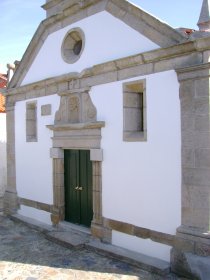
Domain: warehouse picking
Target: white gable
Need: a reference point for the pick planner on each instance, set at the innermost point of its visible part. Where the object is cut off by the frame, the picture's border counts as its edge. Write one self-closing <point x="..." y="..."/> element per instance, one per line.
<point x="106" y="38"/>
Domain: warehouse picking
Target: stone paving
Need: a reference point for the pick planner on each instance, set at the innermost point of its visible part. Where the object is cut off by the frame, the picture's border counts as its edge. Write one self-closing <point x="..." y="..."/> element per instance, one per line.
<point x="26" y="255"/>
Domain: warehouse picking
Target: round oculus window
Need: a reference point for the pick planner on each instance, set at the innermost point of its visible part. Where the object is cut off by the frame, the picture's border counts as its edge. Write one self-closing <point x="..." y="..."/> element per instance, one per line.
<point x="73" y="45"/>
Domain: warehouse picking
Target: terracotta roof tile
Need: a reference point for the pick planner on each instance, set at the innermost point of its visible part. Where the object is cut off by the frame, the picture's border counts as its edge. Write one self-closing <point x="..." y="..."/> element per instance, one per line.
<point x="2" y="103"/>
<point x="3" y="83"/>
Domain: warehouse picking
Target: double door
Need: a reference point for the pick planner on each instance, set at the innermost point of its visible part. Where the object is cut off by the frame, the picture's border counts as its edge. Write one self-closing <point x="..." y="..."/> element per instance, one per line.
<point x="78" y="187"/>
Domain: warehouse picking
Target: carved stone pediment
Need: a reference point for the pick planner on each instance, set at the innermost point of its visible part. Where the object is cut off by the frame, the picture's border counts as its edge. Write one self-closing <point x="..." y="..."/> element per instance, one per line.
<point x="75" y="107"/>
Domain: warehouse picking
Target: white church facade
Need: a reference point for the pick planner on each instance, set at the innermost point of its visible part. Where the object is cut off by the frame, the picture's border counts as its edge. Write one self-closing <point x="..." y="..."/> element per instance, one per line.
<point x="108" y="128"/>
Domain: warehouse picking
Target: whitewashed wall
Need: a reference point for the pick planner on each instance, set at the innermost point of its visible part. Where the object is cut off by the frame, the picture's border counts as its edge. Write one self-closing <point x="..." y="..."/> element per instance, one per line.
<point x="3" y="161"/>
<point x="142" y="180"/>
<point x="33" y="163"/>
<point x="106" y="38"/>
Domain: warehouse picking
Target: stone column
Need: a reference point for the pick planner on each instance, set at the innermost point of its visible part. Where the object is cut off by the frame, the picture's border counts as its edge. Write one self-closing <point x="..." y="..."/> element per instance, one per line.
<point x="58" y="185"/>
<point x="10" y="196"/>
<point x="191" y="255"/>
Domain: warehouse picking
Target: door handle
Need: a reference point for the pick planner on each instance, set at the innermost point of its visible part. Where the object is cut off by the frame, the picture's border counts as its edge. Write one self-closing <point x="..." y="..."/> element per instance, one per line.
<point x="78" y="188"/>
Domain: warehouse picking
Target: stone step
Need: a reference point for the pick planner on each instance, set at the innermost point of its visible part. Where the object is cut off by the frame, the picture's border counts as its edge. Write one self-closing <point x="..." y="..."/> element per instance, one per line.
<point x="75" y="237"/>
<point x="144" y="262"/>
<point x="70" y="239"/>
<point x="32" y="223"/>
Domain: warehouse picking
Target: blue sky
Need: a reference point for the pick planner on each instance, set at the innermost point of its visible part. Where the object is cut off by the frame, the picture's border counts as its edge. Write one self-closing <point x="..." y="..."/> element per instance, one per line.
<point x="20" y="19"/>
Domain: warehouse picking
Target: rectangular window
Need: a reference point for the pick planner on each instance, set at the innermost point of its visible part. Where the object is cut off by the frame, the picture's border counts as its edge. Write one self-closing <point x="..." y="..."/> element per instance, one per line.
<point x="134" y="111"/>
<point x="31" y="121"/>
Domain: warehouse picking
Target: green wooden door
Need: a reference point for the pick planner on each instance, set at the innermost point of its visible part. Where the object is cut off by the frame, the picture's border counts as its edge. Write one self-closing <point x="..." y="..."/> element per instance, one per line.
<point x="78" y="187"/>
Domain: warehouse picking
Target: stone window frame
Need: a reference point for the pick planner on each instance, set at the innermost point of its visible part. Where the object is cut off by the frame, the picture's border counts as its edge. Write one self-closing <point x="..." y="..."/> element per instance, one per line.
<point x="69" y="47"/>
<point x="129" y="133"/>
<point x="31" y="121"/>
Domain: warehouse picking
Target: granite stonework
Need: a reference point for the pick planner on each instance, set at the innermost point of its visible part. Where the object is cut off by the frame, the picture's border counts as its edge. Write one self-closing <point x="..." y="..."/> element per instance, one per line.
<point x="76" y="126"/>
<point x="191" y="257"/>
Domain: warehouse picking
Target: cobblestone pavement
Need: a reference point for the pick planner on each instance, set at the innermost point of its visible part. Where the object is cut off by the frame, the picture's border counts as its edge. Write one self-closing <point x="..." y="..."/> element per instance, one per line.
<point x="26" y="254"/>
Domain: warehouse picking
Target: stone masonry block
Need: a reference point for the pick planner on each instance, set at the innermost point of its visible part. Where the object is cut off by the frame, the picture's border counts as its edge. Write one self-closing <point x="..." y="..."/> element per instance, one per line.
<point x="184" y="244"/>
<point x="196" y="176"/>
<point x="59" y="196"/>
<point x="105" y="67"/>
<point x="133" y="120"/>
<point x="58" y="165"/>
<point x="162" y="238"/>
<point x="178" y="62"/>
<point x="132" y="60"/>
<point x="115" y="10"/>
<point x="185" y="196"/>
<point x="97" y="183"/>
<point x="202" y="106"/>
<point x="62" y="86"/>
<point x="132" y="100"/>
<point x="188" y="139"/>
<point x="121" y="227"/>
<point x="96" y="155"/>
<point x="202" y="123"/>
<point x="187" y="99"/>
<point x="51" y="89"/>
<point x="187" y="122"/>
<point x="142" y="232"/>
<point x="58" y="180"/>
<point x="202" y="158"/>
<point x="202" y="87"/>
<point x="201" y="139"/>
<point x="202" y="249"/>
<point x="46" y="110"/>
<point x="143" y="69"/>
<point x="188" y="157"/>
<point x="195" y="218"/>
<point x="56" y="153"/>
<point x="195" y="197"/>
<point x="97" y="168"/>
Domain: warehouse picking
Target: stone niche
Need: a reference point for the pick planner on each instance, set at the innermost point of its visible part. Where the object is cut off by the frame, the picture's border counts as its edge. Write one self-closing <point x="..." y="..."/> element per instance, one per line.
<point x="76" y="107"/>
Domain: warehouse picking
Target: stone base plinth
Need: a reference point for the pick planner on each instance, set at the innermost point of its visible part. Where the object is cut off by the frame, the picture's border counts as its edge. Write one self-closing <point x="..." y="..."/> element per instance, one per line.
<point x="190" y="265"/>
<point x="101" y="232"/>
<point x="190" y="256"/>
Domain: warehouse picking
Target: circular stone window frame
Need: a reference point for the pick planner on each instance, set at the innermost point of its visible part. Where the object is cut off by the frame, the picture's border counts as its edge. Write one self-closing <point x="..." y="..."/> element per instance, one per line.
<point x="70" y="46"/>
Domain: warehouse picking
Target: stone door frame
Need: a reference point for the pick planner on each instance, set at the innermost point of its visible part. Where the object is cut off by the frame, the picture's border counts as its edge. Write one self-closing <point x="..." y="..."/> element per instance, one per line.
<point x="58" y="214"/>
<point x="76" y="127"/>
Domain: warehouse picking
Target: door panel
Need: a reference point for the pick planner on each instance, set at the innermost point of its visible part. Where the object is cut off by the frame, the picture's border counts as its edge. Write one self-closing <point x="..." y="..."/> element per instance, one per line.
<point x="78" y="186"/>
<point x="71" y="181"/>
<point x="86" y="184"/>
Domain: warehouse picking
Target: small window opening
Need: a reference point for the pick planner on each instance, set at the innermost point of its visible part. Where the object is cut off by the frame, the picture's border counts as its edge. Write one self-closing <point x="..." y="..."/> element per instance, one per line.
<point x="134" y="111"/>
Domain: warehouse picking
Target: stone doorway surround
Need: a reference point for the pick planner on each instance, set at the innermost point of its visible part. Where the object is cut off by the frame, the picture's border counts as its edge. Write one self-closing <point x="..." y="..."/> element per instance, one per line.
<point x="76" y="127"/>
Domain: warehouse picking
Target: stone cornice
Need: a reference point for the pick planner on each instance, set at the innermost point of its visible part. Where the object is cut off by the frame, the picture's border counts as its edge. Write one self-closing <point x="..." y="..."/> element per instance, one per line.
<point x="194" y="72"/>
<point x="152" y="28"/>
<point x="76" y="126"/>
<point x="151" y="60"/>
